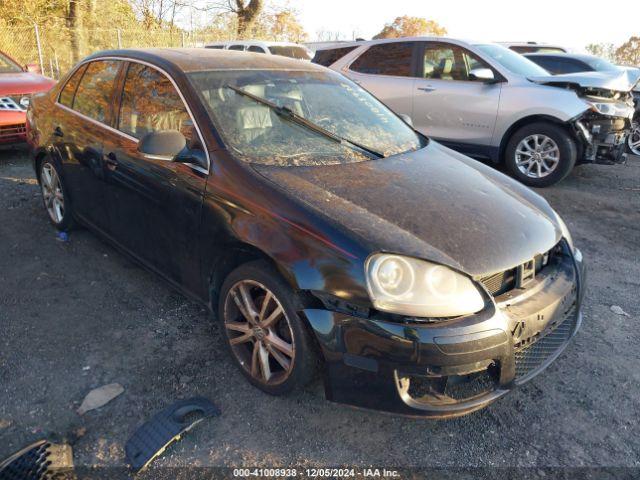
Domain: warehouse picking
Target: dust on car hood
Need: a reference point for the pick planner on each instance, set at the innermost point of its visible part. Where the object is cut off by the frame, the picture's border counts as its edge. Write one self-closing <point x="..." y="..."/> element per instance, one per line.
<point x="433" y="203"/>
<point x="620" y="81"/>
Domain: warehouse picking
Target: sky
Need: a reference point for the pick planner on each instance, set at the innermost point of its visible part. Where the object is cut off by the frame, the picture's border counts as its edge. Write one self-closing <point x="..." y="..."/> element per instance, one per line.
<point x="571" y="23"/>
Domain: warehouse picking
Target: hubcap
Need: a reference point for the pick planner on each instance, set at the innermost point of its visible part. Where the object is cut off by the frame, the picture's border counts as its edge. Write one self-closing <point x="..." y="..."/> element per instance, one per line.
<point x="259" y="332"/>
<point x="52" y="192"/>
<point x="537" y="156"/>
<point x="634" y="139"/>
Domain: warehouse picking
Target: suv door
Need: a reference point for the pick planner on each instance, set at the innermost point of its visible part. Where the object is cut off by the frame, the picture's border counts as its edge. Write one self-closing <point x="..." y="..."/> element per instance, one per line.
<point x="387" y="70"/>
<point x="449" y="103"/>
<point x="155" y="203"/>
<point x="85" y="105"/>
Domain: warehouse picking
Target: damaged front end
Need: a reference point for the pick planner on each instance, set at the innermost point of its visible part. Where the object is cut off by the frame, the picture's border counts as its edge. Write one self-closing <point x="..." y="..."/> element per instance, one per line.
<point x="605" y="126"/>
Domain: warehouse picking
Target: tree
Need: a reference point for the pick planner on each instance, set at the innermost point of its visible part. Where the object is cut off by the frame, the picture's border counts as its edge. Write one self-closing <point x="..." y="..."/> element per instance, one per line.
<point x="247" y="14"/>
<point x="629" y="52"/>
<point x="285" y="27"/>
<point x="603" y="50"/>
<point x="411" y="27"/>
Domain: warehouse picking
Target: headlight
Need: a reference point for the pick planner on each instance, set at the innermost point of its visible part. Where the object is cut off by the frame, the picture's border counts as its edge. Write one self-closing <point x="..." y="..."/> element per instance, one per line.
<point x="408" y="286"/>
<point x="612" y="109"/>
<point x="564" y="230"/>
<point x="24" y="101"/>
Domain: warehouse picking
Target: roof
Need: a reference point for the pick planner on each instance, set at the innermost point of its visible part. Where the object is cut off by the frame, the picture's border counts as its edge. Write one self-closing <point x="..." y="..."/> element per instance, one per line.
<point x="256" y="42"/>
<point x="198" y="59"/>
<point x="357" y="43"/>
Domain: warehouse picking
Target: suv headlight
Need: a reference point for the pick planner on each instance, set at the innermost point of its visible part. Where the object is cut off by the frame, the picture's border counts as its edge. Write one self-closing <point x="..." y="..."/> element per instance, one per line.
<point x="408" y="286"/>
<point x="564" y="230"/>
<point x="610" y="109"/>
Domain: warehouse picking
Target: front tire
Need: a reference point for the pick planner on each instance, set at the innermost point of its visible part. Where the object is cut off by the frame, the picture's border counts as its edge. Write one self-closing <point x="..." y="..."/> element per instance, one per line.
<point x="55" y="196"/>
<point x="540" y="154"/>
<point x="266" y="337"/>
<point x="633" y="141"/>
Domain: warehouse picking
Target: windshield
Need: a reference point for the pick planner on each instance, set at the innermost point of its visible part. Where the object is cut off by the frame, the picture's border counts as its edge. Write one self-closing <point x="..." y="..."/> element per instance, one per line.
<point x="258" y="135"/>
<point x="291" y="51"/>
<point x="7" y="65"/>
<point x="600" y="64"/>
<point x="512" y="61"/>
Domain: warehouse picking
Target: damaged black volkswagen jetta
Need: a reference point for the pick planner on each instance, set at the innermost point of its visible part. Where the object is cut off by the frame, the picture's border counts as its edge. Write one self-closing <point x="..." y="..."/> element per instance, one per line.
<point x="322" y="230"/>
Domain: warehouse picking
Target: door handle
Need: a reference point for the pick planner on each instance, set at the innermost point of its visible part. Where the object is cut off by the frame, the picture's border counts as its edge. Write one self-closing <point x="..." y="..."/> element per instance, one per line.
<point x="428" y="88"/>
<point x="57" y="132"/>
<point x="111" y="161"/>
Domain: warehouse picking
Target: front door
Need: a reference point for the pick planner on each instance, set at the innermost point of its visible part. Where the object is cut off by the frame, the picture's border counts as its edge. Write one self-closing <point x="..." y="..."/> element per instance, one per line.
<point x="449" y="103"/>
<point x="154" y="203"/>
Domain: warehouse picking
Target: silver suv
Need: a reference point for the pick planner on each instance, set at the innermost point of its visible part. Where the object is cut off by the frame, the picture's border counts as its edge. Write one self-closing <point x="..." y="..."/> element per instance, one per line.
<point x="489" y="102"/>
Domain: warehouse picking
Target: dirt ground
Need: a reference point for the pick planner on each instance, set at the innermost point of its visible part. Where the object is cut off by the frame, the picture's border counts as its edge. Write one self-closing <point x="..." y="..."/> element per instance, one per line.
<point x="77" y="315"/>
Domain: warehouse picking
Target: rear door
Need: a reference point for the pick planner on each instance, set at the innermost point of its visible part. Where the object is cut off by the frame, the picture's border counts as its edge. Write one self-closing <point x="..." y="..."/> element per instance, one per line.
<point x="154" y="203"/>
<point x="86" y="112"/>
<point x="449" y="104"/>
<point x="387" y="70"/>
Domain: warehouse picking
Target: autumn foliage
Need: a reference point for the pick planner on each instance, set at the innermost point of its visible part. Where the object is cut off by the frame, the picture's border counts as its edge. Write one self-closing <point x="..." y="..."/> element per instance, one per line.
<point x="406" y="26"/>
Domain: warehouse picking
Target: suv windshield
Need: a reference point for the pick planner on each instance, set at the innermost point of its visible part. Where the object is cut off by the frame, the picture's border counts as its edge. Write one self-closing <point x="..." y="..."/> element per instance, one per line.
<point x="258" y="135"/>
<point x="512" y="61"/>
<point x="7" y="65"/>
<point x="290" y="51"/>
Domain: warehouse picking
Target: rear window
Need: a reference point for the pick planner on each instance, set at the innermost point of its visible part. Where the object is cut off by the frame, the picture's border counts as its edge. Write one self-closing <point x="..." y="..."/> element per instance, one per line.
<point x="386" y="59"/>
<point x="236" y="47"/>
<point x="215" y="46"/>
<point x="256" y="49"/>
<point x="290" y="51"/>
<point x="331" y="55"/>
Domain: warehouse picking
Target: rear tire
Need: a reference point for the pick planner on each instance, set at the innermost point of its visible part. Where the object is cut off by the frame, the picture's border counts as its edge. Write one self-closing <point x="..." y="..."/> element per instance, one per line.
<point x="266" y="338"/>
<point x="540" y="154"/>
<point x="55" y="195"/>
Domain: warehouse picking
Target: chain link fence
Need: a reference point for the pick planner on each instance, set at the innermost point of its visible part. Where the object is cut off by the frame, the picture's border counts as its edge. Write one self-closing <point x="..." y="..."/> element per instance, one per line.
<point x="53" y="51"/>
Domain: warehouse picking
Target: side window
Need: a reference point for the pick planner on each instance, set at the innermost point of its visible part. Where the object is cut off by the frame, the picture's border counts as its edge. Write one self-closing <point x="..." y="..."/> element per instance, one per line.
<point x="330" y="55"/>
<point x="151" y="103"/>
<point x="255" y="48"/>
<point x="236" y="47"/>
<point x="69" y="90"/>
<point x="93" y="96"/>
<point x="386" y="59"/>
<point x="472" y="62"/>
<point x="215" y="46"/>
<point x="444" y="62"/>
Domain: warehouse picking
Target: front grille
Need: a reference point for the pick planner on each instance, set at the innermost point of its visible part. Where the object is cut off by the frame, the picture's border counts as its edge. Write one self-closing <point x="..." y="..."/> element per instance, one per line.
<point x="9" y="131"/>
<point x="502" y="282"/>
<point x="532" y="352"/>
<point x="12" y="103"/>
<point x="39" y="461"/>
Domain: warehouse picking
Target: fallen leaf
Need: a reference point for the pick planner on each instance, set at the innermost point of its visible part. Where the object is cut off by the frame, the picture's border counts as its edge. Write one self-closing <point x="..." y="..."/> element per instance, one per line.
<point x="4" y="423"/>
<point x="619" y="311"/>
<point x="99" y="397"/>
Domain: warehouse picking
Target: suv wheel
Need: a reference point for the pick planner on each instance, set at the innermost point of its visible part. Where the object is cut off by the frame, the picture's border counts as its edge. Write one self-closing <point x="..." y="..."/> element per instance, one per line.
<point x="540" y="154"/>
<point x="634" y="139"/>
<point x="267" y="339"/>
<point x="54" y="196"/>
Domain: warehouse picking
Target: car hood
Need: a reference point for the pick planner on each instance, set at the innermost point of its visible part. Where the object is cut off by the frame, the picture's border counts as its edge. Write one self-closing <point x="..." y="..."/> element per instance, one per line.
<point x="434" y="204"/>
<point x="24" y="83"/>
<point x="621" y="81"/>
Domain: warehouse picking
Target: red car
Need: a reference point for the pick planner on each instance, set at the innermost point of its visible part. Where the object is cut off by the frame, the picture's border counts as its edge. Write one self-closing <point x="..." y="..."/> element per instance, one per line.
<point x="16" y="86"/>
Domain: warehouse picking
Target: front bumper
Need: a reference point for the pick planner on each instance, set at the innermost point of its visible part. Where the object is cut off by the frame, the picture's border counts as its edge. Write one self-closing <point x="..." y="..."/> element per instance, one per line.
<point x="454" y="367"/>
<point x="12" y="127"/>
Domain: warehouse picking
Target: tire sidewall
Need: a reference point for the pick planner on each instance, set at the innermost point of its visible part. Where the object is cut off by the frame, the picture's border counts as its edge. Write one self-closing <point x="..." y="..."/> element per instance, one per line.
<point x="304" y="361"/>
<point x="67" y="222"/>
<point x="566" y="145"/>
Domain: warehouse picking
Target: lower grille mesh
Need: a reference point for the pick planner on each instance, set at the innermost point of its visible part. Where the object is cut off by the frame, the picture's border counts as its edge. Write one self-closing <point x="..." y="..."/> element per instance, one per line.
<point x="534" y="354"/>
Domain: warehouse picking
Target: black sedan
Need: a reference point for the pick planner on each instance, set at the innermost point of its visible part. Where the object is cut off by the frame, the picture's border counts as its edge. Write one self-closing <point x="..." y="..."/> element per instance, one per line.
<point x="321" y="230"/>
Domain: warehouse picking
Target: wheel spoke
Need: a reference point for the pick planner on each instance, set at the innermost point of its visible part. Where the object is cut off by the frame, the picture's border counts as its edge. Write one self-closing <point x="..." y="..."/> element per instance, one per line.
<point x="255" y="361"/>
<point x="249" y="306"/>
<point x="241" y="338"/>
<point x="278" y="343"/>
<point x="264" y="362"/>
<point x="265" y="304"/>
<point x="272" y="318"/>
<point x="281" y="359"/>
<point x="238" y="326"/>
<point x="46" y="175"/>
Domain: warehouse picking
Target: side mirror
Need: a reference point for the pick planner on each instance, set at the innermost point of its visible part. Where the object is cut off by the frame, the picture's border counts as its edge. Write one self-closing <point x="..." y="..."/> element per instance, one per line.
<point x="32" y="68"/>
<point x="482" y="74"/>
<point x="162" y="144"/>
<point x="406" y="118"/>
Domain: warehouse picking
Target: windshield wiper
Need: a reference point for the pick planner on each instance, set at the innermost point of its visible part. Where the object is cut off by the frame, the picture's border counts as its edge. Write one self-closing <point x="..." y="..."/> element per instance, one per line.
<point x="290" y="115"/>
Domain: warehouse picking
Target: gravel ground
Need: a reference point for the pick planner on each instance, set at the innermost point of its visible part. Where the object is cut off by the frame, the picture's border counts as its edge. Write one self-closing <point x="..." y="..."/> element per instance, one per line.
<point x="77" y="315"/>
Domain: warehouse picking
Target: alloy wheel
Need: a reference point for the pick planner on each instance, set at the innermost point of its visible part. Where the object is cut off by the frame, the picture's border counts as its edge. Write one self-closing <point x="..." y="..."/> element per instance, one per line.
<point x="52" y="192"/>
<point x="259" y="332"/>
<point x="537" y="156"/>
<point x="634" y="139"/>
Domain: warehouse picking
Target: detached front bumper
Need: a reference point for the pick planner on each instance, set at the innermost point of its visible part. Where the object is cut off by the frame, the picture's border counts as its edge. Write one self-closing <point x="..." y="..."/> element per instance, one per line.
<point x="453" y="367"/>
